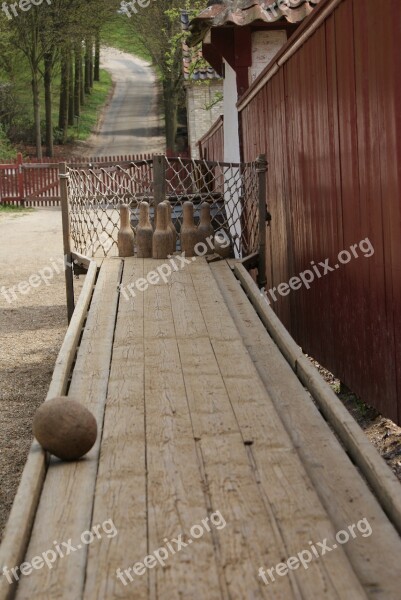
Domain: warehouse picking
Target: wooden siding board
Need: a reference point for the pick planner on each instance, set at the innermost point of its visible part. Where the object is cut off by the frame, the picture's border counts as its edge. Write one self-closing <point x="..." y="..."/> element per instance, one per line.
<point x="395" y="206"/>
<point x="330" y="120"/>
<point x="372" y="275"/>
<point x="336" y="234"/>
<point x="389" y="98"/>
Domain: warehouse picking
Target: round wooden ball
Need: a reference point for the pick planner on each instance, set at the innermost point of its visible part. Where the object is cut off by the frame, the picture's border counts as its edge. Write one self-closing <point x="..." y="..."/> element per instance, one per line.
<point x="65" y="428"/>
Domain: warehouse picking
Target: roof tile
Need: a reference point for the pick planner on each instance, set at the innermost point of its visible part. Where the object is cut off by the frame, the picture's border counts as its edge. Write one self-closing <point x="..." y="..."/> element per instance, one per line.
<point x="245" y="12"/>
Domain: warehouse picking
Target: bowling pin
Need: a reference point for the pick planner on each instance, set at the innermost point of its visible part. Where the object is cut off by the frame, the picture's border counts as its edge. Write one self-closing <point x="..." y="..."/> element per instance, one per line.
<point x="144" y="232"/>
<point x="125" y="238"/>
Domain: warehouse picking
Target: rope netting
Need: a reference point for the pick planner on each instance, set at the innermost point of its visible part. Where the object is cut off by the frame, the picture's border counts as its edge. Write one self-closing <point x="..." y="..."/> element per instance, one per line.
<point x="96" y="192"/>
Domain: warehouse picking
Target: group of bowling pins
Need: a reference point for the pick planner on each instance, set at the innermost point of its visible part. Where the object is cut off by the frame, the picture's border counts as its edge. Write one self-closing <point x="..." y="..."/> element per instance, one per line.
<point x="161" y="242"/>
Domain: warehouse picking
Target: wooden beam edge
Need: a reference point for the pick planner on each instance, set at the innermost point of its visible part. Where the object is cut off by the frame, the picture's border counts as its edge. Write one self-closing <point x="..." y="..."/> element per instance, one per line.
<point x="22" y="515"/>
<point x="81" y="260"/>
<point x="382" y="480"/>
<point x="287" y="345"/>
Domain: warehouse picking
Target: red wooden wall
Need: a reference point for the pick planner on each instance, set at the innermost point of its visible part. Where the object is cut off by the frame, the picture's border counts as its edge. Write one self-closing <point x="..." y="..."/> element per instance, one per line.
<point x="330" y="123"/>
<point x="211" y="146"/>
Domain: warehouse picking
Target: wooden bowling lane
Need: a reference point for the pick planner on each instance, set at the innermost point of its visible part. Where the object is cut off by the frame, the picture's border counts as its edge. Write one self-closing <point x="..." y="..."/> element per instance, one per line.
<point x="188" y="393"/>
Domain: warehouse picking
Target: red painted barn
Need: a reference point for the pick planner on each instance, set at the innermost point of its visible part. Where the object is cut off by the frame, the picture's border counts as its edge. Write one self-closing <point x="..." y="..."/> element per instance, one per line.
<point x="326" y="109"/>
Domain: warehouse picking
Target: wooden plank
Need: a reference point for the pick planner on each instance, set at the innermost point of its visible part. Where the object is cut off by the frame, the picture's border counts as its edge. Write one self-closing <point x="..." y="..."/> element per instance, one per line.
<point x="176" y="498"/>
<point x="379" y="476"/>
<point x="290" y="350"/>
<point x="250" y="539"/>
<point x="339" y="484"/>
<point x="121" y="482"/>
<point x="19" y="525"/>
<point x="66" y="502"/>
<point x="66" y="225"/>
<point x="285" y="486"/>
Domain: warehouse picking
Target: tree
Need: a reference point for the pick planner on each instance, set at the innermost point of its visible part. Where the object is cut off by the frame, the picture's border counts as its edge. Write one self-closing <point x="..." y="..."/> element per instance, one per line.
<point x="50" y="37"/>
<point x="26" y="35"/>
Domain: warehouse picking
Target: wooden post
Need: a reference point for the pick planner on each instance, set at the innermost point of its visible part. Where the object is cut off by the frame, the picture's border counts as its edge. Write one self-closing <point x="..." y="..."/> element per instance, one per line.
<point x="261" y="169"/>
<point x="68" y="266"/>
<point x="159" y="181"/>
<point x="20" y="178"/>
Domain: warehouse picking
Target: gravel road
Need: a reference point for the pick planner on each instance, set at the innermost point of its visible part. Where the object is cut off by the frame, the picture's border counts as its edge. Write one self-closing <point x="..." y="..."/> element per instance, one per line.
<point x="132" y="123"/>
<point x="32" y="327"/>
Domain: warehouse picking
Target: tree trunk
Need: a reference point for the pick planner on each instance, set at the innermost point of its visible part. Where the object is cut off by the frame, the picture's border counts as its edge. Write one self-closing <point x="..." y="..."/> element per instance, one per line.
<point x="70" y="90"/>
<point x="82" y="83"/>
<point x="36" y="113"/>
<point x="91" y="66"/>
<point x="77" y="81"/>
<point x="88" y="51"/>
<point x="48" y="76"/>
<point x="64" y="88"/>
<point x="97" y="57"/>
<point x="170" y="111"/>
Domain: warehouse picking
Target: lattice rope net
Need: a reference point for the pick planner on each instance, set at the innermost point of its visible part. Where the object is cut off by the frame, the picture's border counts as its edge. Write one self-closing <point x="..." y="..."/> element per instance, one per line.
<point x="95" y="194"/>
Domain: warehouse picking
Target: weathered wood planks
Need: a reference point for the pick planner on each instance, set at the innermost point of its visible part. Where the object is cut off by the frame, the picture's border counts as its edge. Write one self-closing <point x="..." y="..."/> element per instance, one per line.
<point x="200" y="413"/>
<point x="176" y="489"/>
<point x="292" y="508"/>
<point x="344" y="493"/>
<point x="120" y="493"/>
<point x="373" y="467"/>
<point x="66" y="503"/>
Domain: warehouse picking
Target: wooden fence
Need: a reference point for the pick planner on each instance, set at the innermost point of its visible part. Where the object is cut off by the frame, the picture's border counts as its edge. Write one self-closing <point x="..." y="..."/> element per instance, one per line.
<point x="211" y="145"/>
<point x="327" y="112"/>
<point x="36" y="182"/>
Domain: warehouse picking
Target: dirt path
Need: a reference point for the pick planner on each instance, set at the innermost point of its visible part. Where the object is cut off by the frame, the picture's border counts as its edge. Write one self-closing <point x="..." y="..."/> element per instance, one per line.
<point x="132" y="122"/>
<point x="32" y="327"/>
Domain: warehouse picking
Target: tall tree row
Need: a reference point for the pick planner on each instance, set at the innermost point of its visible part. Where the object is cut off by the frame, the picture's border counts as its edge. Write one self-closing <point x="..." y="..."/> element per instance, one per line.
<point x="62" y="36"/>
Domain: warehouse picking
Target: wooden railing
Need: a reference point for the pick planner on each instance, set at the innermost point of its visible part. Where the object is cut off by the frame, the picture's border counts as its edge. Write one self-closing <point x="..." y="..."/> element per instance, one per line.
<point x="211" y="145"/>
<point x="36" y="182"/>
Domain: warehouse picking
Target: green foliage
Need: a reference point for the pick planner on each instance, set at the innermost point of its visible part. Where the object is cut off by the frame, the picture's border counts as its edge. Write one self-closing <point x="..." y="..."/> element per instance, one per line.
<point x="173" y="13"/>
<point x="14" y="209"/>
<point x="6" y="150"/>
<point x="22" y="130"/>
<point x="117" y="33"/>
<point x="33" y="44"/>
<point x="218" y="97"/>
<point x="47" y="33"/>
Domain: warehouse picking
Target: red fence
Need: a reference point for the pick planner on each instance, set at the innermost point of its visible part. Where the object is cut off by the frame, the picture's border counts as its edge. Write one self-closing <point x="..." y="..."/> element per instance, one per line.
<point x="328" y="116"/>
<point x="211" y="145"/>
<point x="36" y="182"/>
<point x="11" y="181"/>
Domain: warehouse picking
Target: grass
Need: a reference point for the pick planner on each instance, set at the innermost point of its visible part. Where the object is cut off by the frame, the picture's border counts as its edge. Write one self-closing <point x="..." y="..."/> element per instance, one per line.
<point x="119" y="33"/>
<point x="14" y="209"/>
